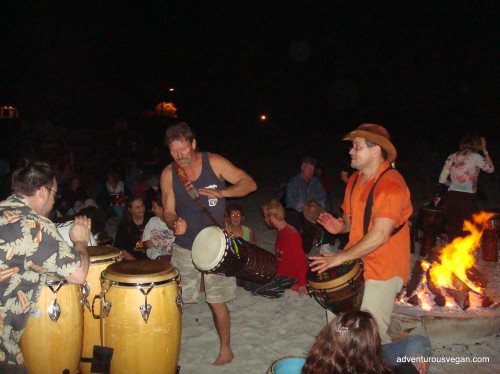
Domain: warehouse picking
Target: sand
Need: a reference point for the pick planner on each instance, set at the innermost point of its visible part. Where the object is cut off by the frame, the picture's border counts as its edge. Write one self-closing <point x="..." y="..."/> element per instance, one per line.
<point x="264" y="330"/>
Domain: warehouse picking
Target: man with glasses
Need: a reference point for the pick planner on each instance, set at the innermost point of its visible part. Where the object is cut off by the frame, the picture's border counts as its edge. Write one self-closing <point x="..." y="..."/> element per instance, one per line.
<point x="381" y="239"/>
<point x="30" y="249"/>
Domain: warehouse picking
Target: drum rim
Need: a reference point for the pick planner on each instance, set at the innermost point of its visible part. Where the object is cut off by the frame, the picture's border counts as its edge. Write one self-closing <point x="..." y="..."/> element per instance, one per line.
<point x="352" y="274"/>
<point x="220" y="256"/>
<point x="139" y="284"/>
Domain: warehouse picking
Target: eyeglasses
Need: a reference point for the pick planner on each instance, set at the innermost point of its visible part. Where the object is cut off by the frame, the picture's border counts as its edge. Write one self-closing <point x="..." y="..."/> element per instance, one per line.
<point x="57" y="195"/>
<point x="357" y="148"/>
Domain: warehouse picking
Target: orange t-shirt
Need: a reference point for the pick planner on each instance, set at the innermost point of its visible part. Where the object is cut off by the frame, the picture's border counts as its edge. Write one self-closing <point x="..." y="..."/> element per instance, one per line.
<point x="391" y="199"/>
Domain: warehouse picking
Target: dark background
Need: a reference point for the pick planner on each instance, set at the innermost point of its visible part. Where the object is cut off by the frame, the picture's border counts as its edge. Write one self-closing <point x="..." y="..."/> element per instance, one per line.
<point x="427" y="70"/>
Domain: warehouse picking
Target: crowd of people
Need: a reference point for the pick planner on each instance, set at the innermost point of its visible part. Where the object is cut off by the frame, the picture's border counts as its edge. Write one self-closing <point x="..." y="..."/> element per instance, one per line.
<point x="160" y="217"/>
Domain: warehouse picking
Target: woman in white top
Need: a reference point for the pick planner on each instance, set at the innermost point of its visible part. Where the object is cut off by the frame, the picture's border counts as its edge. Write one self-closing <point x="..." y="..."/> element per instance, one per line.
<point x="461" y="172"/>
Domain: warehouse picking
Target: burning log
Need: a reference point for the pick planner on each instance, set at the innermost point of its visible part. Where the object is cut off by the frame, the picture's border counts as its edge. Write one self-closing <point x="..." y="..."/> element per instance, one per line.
<point x="439" y="298"/>
<point x="413" y="300"/>
<point x="416" y="278"/>
<point x="476" y="277"/>
<point x="459" y="292"/>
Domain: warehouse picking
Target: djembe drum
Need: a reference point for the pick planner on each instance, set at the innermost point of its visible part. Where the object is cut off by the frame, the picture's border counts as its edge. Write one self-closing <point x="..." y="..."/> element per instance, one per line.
<point x="141" y="307"/>
<point x="339" y="289"/>
<point x="432" y="222"/>
<point x="52" y="339"/>
<point x="220" y="252"/>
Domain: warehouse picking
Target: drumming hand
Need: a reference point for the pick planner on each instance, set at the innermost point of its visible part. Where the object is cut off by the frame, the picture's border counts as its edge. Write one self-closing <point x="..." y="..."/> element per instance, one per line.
<point x="211" y="192"/>
<point x="180" y="226"/>
<point x="330" y="223"/>
<point x="127" y="256"/>
<point x="326" y="261"/>
<point x="148" y="244"/>
<point x="80" y="230"/>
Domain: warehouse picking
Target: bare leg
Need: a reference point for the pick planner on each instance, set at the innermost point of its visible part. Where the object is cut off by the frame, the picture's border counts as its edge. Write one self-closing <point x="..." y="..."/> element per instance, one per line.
<point x="222" y="322"/>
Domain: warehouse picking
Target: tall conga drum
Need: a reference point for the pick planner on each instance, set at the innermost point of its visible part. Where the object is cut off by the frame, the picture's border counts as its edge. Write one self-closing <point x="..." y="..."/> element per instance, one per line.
<point x="432" y="221"/>
<point x="489" y="240"/>
<point x="141" y="308"/>
<point x="100" y="258"/>
<point x="52" y="339"/>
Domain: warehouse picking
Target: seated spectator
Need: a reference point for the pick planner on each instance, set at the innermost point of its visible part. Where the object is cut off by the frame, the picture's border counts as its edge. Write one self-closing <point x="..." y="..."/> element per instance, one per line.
<point x="235" y="217"/>
<point x="157" y="237"/>
<point x="117" y="194"/>
<point x="74" y="198"/>
<point x="129" y="233"/>
<point x="302" y="189"/>
<point x="351" y="344"/>
<point x="292" y="262"/>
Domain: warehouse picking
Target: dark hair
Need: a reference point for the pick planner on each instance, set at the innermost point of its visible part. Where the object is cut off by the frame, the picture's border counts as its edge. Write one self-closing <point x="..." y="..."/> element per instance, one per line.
<point x="115" y="175"/>
<point x="157" y="199"/>
<point x="309" y="160"/>
<point x="370" y="144"/>
<point x="127" y="217"/>
<point x="237" y="207"/>
<point x="348" y="344"/>
<point x="471" y="142"/>
<point x="27" y="179"/>
<point x="179" y="131"/>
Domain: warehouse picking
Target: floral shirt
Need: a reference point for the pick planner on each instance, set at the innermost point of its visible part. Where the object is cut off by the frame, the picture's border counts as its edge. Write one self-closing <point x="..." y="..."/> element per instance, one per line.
<point x="30" y="248"/>
<point x="463" y="170"/>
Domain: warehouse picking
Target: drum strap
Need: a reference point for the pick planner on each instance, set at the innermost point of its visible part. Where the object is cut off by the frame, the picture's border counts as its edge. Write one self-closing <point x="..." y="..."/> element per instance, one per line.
<point x="193" y="192"/>
<point x="369" y="204"/>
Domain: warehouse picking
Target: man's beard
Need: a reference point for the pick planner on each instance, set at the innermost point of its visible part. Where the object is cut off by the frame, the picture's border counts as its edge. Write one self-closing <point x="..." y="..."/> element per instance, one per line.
<point x="184" y="162"/>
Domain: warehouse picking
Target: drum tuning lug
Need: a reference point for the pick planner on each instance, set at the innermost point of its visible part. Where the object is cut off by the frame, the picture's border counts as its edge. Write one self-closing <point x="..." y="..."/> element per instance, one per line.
<point x="145" y="310"/>
<point x="85" y="292"/>
<point x="106" y="307"/>
<point x="180" y="304"/>
<point x="54" y="310"/>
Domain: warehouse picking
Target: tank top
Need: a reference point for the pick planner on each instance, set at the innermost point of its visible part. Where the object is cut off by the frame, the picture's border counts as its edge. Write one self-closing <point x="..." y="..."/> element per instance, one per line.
<point x="187" y="208"/>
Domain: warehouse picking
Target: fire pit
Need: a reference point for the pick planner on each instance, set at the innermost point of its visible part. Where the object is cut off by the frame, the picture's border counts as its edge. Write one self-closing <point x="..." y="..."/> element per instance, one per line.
<point x="453" y="294"/>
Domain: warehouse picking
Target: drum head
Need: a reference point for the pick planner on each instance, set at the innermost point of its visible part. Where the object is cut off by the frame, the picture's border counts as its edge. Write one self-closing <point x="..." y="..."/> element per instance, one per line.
<point x="102" y="252"/>
<point x="312" y="211"/>
<point x="139" y="271"/>
<point x="208" y="248"/>
<point x="334" y="277"/>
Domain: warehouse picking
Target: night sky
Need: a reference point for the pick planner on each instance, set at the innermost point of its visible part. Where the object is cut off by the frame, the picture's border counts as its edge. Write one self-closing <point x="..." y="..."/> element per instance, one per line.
<point x="426" y="68"/>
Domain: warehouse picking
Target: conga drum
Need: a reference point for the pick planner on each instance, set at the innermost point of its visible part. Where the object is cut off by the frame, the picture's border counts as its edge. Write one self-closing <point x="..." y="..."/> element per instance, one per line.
<point x="287" y="365"/>
<point x="432" y="222"/>
<point x="219" y="251"/>
<point x="489" y="240"/>
<point x="100" y="258"/>
<point x="339" y="289"/>
<point x="52" y="339"/>
<point x="141" y="307"/>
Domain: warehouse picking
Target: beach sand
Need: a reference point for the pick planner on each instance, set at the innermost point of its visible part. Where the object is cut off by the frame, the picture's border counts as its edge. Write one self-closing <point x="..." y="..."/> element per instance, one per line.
<point x="265" y="330"/>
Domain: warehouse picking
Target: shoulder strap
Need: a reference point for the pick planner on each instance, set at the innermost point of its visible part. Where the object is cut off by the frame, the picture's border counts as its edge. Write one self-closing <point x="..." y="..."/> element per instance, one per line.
<point x="193" y="192"/>
<point x="369" y="204"/>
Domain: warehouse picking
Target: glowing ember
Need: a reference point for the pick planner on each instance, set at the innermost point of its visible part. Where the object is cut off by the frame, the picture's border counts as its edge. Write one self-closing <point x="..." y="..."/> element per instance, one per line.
<point x="457" y="257"/>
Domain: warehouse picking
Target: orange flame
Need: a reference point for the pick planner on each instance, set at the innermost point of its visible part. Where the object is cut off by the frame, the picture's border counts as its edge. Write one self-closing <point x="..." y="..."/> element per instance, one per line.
<point x="425" y="304"/>
<point x="458" y="256"/>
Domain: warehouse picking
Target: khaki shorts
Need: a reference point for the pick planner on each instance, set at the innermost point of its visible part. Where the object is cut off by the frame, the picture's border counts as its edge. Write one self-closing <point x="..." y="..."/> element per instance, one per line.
<point x="218" y="288"/>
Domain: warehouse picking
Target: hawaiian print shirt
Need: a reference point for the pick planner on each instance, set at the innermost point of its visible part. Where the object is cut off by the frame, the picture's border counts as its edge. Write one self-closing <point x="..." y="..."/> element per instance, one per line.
<point x="463" y="169"/>
<point x="30" y="248"/>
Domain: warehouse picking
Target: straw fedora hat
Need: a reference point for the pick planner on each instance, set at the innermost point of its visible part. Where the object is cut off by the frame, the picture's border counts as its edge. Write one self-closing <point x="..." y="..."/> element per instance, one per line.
<point x="376" y="134"/>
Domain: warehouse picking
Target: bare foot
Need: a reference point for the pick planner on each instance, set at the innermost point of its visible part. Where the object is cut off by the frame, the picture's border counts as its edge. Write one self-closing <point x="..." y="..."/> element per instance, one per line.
<point x="224" y="358"/>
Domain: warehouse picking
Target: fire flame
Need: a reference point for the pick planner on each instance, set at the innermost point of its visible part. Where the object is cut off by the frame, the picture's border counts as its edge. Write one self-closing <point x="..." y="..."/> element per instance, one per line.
<point x="458" y="256"/>
<point x="425" y="304"/>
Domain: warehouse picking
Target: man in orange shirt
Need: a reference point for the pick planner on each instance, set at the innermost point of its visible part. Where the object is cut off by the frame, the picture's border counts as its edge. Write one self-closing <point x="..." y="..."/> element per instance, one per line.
<point x="383" y="241"/>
